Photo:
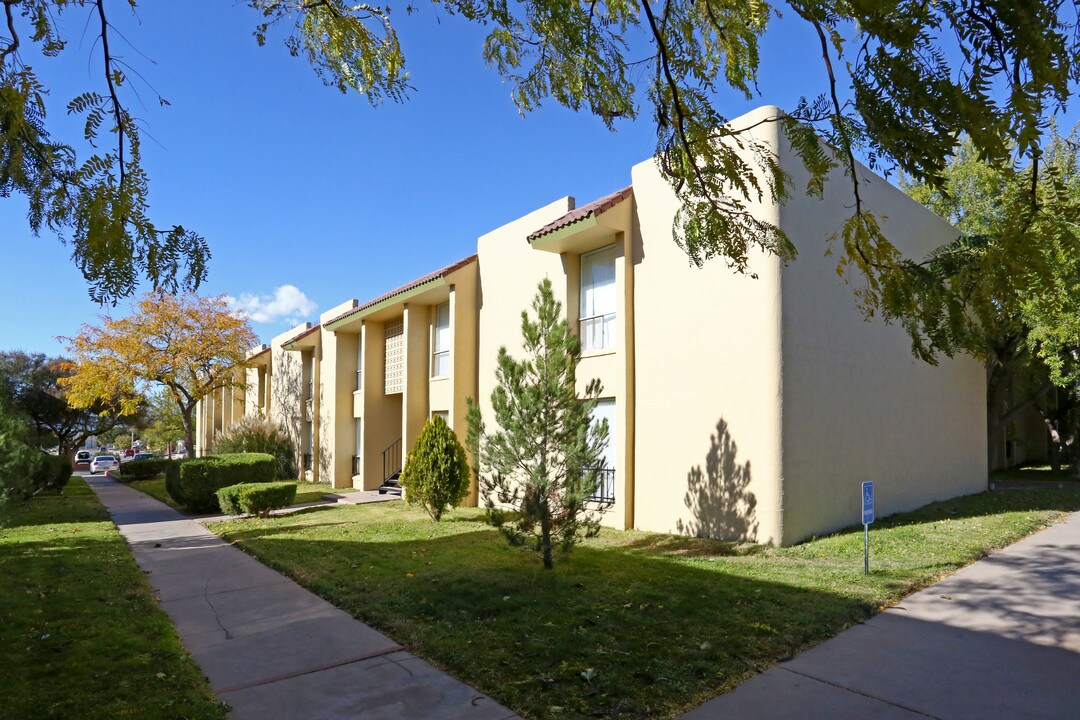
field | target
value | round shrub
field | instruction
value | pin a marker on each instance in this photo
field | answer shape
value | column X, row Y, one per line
column 194, row 483
column 252, row 434
column 436, row 472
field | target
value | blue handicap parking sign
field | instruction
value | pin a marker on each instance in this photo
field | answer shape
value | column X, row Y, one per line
column 867, row 502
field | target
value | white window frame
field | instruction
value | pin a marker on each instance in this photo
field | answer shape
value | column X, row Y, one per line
column 438, row 352
column 597, row 330
column 607, row 409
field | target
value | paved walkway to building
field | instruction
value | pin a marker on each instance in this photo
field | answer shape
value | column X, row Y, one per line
column 270, row 648
column 999, row 640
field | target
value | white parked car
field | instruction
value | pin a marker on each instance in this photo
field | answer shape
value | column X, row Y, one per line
column 103, row 463
column 83, row 456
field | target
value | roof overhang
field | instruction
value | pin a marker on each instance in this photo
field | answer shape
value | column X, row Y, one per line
column 258, row 357
column 307, row 340
column 383, row 309
column 589, row 227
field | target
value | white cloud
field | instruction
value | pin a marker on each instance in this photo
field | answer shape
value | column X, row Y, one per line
column 287, row 303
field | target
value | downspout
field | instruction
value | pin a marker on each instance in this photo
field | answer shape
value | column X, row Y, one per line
column 630, row 412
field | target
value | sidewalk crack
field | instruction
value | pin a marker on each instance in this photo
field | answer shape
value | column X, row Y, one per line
column 860, row 692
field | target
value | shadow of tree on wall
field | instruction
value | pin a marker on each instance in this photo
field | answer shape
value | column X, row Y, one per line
column 718, row 497
column 288, row 393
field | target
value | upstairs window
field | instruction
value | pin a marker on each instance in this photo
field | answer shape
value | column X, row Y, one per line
column 597, row 312
column 440, row 357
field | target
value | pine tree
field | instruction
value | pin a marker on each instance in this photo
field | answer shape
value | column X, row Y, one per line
column 539, row 469
column 436, row 472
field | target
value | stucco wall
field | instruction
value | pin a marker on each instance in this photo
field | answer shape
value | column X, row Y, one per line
column 418, row 319
column 382, row 413
column 287, row 388
column 708, row 392
column 337, row 375
column 857, row 405
column 510, row 270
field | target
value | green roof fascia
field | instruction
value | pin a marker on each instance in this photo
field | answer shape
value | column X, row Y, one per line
column 392, row 300
column 291, row 345
column 542, row 242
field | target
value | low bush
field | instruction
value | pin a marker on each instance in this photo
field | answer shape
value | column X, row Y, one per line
column 145, row 469
column 51, row 472
column 18, row 461
column 256, row 498
column 194, row 483
column 436, row 472
column 252, row 434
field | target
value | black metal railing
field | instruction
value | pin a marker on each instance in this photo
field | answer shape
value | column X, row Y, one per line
column 306, row 459
column 605, row 486
column 355, row 464
column 391, row 460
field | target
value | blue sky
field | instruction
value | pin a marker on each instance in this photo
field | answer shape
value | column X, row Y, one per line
column 294, row 184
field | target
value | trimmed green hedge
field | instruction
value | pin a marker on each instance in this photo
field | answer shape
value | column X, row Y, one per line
column 144, row 469
column 256, row 498
column 194, row 483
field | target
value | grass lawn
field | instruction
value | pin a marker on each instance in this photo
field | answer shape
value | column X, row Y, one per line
column 82, row 635
column 306, row 492
column 631, row 624
column 155, row 488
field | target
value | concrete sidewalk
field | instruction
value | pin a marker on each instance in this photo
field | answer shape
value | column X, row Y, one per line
column 999, row 640
column 270, row 648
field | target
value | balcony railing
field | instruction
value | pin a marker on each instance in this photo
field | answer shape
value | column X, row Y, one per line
column 306, row 459
column 355, row 465
column 605, row 486
column 597, row 332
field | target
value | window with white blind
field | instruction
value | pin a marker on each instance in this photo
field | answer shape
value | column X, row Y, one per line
column 597, row 311
column 605, row 488
column 440, row 357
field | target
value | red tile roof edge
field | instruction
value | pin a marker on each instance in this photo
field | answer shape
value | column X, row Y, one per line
column 441, row 272
column 258, row 354
column 594, row 208
column 301, row 336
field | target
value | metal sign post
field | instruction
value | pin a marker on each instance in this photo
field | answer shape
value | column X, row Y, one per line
column 867, row 518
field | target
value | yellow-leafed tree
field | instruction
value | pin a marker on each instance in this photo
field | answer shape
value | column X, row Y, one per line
column 189, row 345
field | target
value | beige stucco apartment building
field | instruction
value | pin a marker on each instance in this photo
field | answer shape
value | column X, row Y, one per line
column 739, row 407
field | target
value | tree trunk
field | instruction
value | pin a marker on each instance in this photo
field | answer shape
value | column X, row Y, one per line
column 189, row 430
column 545, row 535
column 995, row 400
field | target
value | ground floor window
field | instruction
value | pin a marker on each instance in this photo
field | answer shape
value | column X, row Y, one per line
column 605, row 490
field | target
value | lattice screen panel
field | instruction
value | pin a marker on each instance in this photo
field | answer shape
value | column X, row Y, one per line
column 395, row 357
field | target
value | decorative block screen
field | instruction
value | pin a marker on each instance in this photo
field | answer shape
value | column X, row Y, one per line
column 395, row 357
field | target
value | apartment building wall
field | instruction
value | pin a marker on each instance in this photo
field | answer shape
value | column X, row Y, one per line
column 708, row 391
column 857, row 405
column 287, row 388
column 337, row 373
column 748, row 405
